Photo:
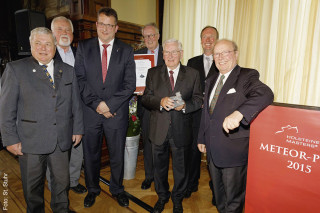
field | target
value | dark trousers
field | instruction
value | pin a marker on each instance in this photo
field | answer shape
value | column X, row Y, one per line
column 92, row 146
column 229, row 185
column 147, row 148
column 33, row 171
column 194, row 163
column 161, row 156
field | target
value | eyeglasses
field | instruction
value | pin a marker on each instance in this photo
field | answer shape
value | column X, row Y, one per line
column 223, row 54
column 173, row 53
column 108, row 26
column 151, row 36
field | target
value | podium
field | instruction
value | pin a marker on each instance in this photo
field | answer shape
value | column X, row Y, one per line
column 284, row 160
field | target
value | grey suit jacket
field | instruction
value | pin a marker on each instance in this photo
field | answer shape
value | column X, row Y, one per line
column 34, row 113
column 157, row 87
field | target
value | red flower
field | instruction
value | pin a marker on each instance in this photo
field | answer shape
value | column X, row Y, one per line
column 134, row 118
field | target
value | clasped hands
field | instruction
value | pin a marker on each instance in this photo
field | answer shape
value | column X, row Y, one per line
column 104, row 110
column 168, row 104
column 230, row 123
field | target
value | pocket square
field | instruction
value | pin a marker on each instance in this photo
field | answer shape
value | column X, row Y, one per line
column 232, row 90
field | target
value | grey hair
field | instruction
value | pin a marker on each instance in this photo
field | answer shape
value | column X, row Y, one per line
column 154, row 25
column 235, row 46
column 41, row 30
column 172, row 40
column 60, row 18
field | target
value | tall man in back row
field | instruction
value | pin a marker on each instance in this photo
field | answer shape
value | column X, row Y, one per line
column 105, row 69
column 206, row 67
column 150, row 33
column 233, row 98
column 40, row 116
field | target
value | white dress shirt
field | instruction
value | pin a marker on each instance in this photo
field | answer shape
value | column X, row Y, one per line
column 109, row 50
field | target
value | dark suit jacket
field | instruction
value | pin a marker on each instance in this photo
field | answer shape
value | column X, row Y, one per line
column 160, row 55
column 119, row 85
column 197, row 63
column 157, row 87
column 35, row 114
column 251, row 97
column 57, row 55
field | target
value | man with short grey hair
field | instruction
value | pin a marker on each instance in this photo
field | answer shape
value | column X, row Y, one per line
column 62, row 29
column 171, row 122
column 40, row 117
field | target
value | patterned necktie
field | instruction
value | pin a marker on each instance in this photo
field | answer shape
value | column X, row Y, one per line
column 216, row 94
column 171, row 80
column 44, row 67
column 152, row 51
column 104, row 62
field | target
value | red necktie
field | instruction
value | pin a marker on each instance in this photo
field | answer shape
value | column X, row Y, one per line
column 152, row 51
column 171, row 80
column 104, row 62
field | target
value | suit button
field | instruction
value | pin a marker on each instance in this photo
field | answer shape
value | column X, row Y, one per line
column 54, row 124
column 53, row 96
column 103, row 88
column 56, row 110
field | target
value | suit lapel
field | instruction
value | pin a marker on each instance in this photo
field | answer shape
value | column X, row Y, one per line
column 57, row 73
column 114, row 57
column 229, row 83
column 38, row 71
column 165, row 78
column 95, row 58
column 180, row 78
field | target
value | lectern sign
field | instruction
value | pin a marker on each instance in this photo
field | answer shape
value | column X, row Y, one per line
column 284, row 161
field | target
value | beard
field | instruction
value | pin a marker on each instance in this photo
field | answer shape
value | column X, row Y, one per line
column 63, row 42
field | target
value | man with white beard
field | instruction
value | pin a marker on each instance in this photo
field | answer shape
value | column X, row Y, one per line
column 62, row 29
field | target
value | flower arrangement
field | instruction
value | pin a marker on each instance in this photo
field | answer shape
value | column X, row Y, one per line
column 134, row 122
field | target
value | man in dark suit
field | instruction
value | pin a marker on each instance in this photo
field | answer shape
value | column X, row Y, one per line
column 62, row 29
column 40, row 116
column 206, row 67
column 170, row 124
column 233, row 98
column 105, row 69
column 151, row 37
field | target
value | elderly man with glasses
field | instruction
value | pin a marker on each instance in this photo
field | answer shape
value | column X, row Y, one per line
column 171, row 122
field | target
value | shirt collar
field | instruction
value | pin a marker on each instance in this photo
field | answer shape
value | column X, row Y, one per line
column 61, row 49
column 48, row 64
column 101, row 43
column 174, row 70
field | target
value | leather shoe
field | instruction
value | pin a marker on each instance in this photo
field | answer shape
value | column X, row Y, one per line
column 90, row 199
column 122, row 199
column 146, row 184
column 80, row 189
column 158, row 208
column 188, row 192
column 177, row 207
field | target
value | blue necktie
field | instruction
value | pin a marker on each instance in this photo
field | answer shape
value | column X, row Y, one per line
column 44, row 67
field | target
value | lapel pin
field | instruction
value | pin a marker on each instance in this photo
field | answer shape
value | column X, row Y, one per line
column 34, row 70
column 60, row 71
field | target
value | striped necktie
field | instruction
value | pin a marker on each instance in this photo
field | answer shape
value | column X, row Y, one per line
column 216, row 94
column 44, row 67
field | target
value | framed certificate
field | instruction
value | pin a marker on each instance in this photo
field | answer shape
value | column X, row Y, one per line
column 143, row 63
